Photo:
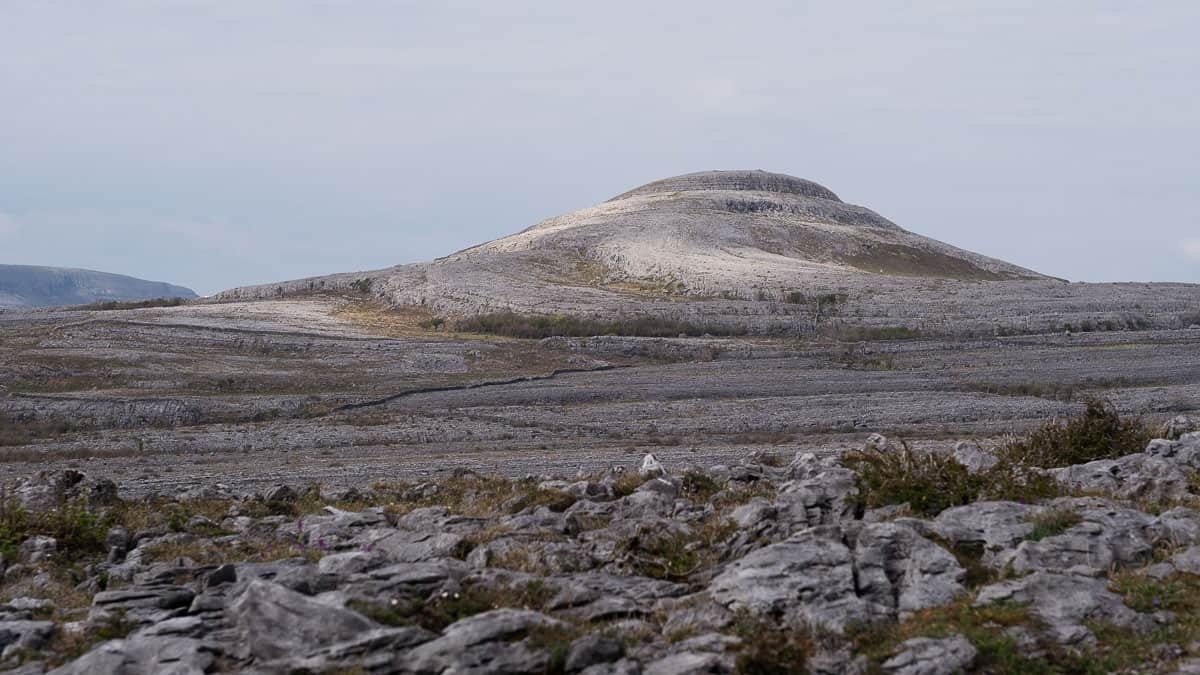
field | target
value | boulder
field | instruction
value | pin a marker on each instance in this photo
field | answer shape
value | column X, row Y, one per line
column 143, row 655
column 46, row 490
column 899, row 569
column 24, row 635
column 1065, row 603
column 274, row 622
column 806, row 580
column 927, row 656
column 483, row 643
column 1138, row 476
column 993, row 525
column 651, row 467
column 973, row 457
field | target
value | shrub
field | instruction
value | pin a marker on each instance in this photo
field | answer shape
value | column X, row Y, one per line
column 1100, row 433
column 932, row 482
column 109, row 305
column 928, row 482
column 78, row 532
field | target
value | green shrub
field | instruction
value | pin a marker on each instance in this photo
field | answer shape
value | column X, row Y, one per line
column 932, row 482
column 1100, row 433
column 109, row 305
column 78, row 532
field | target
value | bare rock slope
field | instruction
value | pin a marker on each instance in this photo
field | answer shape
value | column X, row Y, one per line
column 754, row 247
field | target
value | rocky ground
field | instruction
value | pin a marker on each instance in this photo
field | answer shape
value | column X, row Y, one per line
column 881, row 560
column 341, row 392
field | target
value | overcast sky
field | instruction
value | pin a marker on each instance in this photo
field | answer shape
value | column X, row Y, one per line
column 218, row 143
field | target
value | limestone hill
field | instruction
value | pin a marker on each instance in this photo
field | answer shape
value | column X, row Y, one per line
column 767, row 250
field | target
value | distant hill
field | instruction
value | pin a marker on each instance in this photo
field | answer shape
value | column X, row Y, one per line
column 23, row 286
column 765, row 252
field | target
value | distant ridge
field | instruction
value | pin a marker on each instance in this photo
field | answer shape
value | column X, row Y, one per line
column 27, row 286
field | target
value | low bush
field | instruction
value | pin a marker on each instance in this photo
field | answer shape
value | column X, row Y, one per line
column 109, row 305
column 1100, row 433
column 78, row 532
column 931, row 482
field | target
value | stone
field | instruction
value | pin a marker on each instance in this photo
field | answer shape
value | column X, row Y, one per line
column 879, row 443
column 36, row 549
column 407, row 546
column 806, row 580
column 47, row 490
column 592, row 649
column 143, row 655
column 689, row 663
column 973, row 457
column 351, row 562
column 481, row 643
column 1133, row 477
column 24, row 635
column 651, row 467
column 927, row 656
column 273, row 621
column 279, row 495
column 1178, row 426
column 993, row 525
column 898, row 568
column 1065, row 603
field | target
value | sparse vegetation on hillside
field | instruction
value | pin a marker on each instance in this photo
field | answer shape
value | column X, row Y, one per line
column 509, row 324
column 931, row 482
column 110, row 305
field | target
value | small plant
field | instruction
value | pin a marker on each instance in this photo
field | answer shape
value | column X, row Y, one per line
column 768, row 649
column 362, row 285
column 1052, row 522
column 699, row 487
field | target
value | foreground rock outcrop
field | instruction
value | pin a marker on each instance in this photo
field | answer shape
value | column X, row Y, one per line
column 766, row 566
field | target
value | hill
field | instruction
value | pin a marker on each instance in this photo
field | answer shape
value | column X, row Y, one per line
column 23, row 286
column 768, row 251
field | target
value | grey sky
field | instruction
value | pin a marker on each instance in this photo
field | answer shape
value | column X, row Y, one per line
column 218, row 143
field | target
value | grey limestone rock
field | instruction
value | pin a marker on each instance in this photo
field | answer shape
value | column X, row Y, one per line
column 26, row 635
column 994, row 525
column 690, row 663
column 897, row 568
column 807, row 580
column 48, row 489
column 651, row 467
column 144, row 655
column 973, row 457
column 274, row 622
column 1065, row 603
column 927, row 656
column 481, row 644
